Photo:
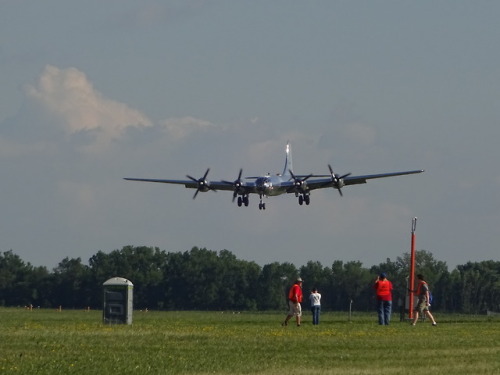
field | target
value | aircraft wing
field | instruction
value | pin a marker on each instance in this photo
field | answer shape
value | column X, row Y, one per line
column 248, row 187
column 320, row 183
column 214, row 185
column 187, row 183
column 352, row 180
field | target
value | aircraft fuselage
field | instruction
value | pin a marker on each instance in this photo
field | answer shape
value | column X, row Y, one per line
column 270, row 185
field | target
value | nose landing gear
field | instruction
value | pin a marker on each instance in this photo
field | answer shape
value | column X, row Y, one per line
column 262, row 205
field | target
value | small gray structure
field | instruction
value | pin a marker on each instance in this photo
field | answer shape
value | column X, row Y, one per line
column 118, row 301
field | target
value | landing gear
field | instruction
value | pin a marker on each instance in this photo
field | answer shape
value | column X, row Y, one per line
column 243, row 201
column 262, row 205
column 304, row 198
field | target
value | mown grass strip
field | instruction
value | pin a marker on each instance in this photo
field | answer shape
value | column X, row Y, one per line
column 76, row 342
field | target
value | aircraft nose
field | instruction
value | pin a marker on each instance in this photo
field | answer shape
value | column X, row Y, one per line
column 262, row 185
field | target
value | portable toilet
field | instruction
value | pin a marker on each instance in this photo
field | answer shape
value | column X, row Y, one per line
column 118, row 301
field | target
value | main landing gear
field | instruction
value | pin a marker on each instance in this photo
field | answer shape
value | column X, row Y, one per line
column 243, row 200
column 304, row 198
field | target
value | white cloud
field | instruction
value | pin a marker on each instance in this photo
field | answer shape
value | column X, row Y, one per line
column 69, row 97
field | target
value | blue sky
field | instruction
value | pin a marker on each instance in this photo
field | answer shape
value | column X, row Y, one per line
column 91, row 92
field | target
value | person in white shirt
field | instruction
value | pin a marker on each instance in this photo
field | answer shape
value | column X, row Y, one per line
column 315, row 299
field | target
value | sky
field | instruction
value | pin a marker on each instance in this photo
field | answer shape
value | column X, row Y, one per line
column 95, row 91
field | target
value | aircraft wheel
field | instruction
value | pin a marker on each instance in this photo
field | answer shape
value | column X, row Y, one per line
column 307, row 199
column 245, row 200
column 301, row 200
column 240, row 202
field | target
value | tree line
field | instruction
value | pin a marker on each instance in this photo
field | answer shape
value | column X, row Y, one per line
column 201, row 279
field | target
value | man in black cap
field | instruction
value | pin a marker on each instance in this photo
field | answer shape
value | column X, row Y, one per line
column 383, row 289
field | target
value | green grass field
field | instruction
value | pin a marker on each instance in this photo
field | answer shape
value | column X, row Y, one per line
column 76, row 342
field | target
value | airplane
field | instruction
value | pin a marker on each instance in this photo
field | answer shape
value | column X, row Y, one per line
column 269, row 185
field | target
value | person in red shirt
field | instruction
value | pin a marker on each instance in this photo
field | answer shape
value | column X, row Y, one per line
column 294, row 300
column 383, row 289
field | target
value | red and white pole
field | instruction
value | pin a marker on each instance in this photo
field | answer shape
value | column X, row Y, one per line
column 412, row 269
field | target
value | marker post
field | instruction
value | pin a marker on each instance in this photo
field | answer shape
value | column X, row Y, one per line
column 412, row 269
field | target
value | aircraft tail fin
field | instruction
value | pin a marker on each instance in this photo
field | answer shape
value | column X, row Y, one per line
column 288, row 161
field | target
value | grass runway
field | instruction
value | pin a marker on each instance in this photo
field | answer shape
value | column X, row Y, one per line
column 77, row 342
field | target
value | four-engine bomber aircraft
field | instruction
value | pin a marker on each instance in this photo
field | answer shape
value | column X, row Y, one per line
column 271, row 185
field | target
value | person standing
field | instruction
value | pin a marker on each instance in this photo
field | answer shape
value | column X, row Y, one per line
column 315, row 299
column 383, row 290
column 423, row 303
column 294, row 300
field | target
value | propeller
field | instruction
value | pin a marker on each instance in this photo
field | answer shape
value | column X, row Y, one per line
column 202, row 183
column 236, row 183
column 337, row 181
column 299, row 183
